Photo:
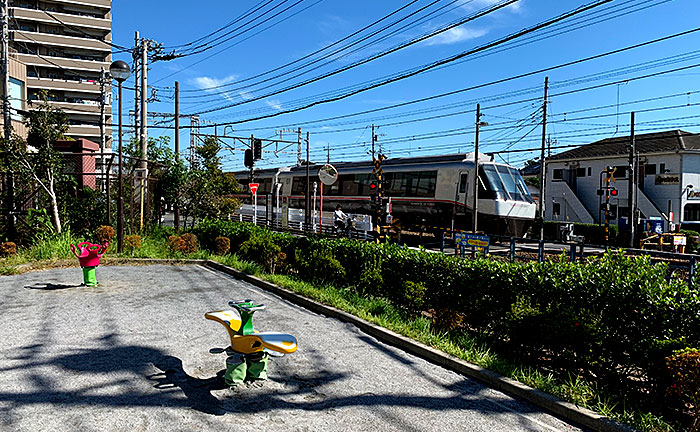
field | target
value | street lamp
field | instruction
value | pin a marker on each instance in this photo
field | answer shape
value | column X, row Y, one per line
column 120, row 71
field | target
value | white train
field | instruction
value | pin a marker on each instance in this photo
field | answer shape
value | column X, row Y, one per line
column 433, row 191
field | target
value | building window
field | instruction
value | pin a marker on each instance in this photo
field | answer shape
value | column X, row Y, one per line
column 580, row 172
column 557, row 174
column 650, row 169
column 691, row 212
column 556, row 209
column 16, row 98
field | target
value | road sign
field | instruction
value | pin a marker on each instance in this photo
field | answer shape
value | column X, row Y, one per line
column 328, row 174
column 474, row 240
column 253, row 188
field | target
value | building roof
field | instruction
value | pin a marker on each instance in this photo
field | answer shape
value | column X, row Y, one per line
column 657, row 142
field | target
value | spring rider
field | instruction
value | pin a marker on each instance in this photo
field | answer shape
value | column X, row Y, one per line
column 249, row 350
column 89, row 258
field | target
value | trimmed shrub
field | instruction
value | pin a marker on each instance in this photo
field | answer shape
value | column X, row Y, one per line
column 222, row 245
column 132, row 242
column 104, row 234
column 190, row 243
column 176, row 244
column 319, row 266
column 8, row 249
column 693, row 241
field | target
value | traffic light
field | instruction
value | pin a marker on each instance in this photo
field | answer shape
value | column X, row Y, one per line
column 248, row 159
column 257, row 149
column 613, row 192
column 373, row 192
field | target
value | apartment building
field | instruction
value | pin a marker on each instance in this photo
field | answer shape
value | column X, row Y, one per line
column 668, row 185
column 64, row 46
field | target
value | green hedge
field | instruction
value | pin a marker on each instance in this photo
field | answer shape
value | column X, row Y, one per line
column 613, row 319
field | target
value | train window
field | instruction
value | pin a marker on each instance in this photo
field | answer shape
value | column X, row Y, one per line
column 513, row 183
column 299, row 185
column 492, row 182
column 415, row 183
column 580, row 172
column 557, row 174
column 463, row 183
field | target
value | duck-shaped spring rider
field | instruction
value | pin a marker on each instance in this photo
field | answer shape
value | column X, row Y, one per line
column 89, row 255
column 249, row 350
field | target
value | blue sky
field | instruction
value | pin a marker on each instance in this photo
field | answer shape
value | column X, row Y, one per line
column 411, row 130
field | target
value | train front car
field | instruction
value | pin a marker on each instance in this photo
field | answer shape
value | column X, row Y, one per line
column 505, row 204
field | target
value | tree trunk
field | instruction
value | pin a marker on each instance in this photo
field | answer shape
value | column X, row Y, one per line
column 54, row 205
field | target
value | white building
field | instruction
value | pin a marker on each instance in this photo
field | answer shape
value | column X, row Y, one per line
column 668, row 179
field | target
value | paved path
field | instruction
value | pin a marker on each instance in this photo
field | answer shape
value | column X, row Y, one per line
column 133, row 355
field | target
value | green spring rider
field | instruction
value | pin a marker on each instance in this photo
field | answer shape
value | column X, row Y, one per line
column 250, row 350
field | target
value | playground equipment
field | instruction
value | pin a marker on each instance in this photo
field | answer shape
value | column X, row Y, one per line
column 249, row 350
column 89, row 259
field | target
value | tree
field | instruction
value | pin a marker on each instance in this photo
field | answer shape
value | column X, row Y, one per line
column 36, row 158
column 209, row 192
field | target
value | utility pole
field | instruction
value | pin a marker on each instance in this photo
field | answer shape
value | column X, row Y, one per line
column 6, row 117
column 299, row 147
column 374, row 140
column 307, row 212
column 543, row 161
column 475, row 208
column 177, row 151
column 137, row 85
column 144, row 109
column 632, row 185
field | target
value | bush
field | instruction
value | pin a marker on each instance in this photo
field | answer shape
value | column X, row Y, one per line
column 320, row 266
column 264, row 251
column 684, row 369
column 222, row 245
column 190, row 243
column 104, row 234
column 176, row 244
column 8, row 249
column 132, row 242
column 693, row 237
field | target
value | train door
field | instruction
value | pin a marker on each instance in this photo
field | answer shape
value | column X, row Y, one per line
column 463, row 196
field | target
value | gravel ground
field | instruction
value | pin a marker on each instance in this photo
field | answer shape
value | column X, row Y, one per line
column 133, row 354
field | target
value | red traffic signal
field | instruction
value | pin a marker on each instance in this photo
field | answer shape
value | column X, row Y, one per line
column 613, row 192
column 372, row 186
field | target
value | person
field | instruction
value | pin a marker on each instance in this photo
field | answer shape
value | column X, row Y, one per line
column 339, row 218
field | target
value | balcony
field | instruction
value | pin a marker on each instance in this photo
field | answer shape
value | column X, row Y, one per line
column 76, row 108
column 71, row 20
column 64, row 85
column 101, row 4
column 48, row 39
column 88, row 131
column 53, row 62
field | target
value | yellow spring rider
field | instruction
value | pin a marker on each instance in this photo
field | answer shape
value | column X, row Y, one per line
column 249, row 349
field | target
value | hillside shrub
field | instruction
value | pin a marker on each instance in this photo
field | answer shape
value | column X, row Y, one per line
column 222, row 245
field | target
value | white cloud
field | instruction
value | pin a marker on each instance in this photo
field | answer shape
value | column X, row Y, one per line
column 245, row 95
column 274, row 104
column 478, row 4
column 209, row 85
column 455, row 35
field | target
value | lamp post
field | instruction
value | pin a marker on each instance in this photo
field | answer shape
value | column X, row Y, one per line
column 120, row 71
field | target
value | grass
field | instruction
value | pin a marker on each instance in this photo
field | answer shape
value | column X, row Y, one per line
column 376, row 310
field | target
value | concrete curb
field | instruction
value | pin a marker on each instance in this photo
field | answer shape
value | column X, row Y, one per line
column 580, row 415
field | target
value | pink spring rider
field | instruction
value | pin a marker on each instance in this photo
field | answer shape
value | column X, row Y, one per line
column 89, row 258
